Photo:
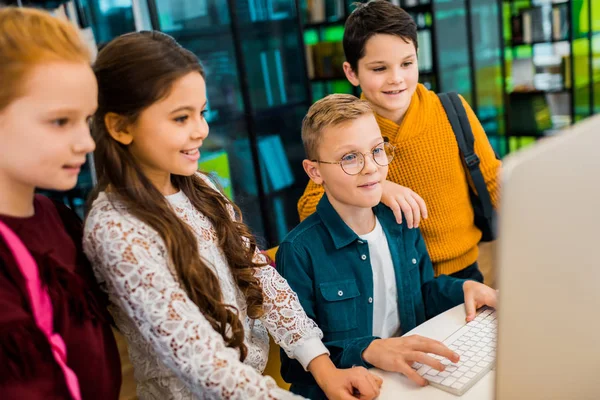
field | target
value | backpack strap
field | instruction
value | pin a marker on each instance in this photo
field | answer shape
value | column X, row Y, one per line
column 41, row 305
column 461, row 126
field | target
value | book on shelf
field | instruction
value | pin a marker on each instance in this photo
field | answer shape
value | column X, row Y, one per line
column 315, row 11
column 319, row 11
column 275, row 167
column 526, row 21
column 328, row 59
column 560, row 23
column 516, row 24
column 425, row 52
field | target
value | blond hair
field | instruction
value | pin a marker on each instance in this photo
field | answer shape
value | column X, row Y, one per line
column 332, row 110
column 28, row 38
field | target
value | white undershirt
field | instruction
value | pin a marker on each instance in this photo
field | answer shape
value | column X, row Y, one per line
column 386, row 320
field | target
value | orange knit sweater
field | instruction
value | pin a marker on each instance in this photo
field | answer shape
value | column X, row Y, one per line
column 428, row 161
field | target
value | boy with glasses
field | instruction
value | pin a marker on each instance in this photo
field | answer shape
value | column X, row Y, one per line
column 380, row 44
column 363, row 278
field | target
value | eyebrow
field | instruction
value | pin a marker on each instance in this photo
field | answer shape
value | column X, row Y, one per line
column 351, row 148
column 186, row 108
column 383, row 62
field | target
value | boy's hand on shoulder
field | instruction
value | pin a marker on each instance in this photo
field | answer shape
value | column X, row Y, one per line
column 398, row 354
column 403, row 200
column 478, row 295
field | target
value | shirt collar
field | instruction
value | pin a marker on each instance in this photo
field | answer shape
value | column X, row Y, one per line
column 340, row 232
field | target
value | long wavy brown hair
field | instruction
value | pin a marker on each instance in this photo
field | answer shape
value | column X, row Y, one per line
column 134, row 71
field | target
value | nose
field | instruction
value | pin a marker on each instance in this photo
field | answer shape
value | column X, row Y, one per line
column 395, row 76
column 370, row 165
column 200, row 131
column 83, row 141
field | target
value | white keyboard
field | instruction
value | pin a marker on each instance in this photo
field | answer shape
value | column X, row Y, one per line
column 476, row 344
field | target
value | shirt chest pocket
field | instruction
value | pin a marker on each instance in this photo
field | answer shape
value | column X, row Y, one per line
column 338, row 305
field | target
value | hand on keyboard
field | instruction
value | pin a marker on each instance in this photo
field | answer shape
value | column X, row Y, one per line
column 478, row 295
column 475, row 342
column 399, row 353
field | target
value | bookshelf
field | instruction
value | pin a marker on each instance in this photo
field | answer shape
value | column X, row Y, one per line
column 258, row 94
column 549, row 54
column 323, row 30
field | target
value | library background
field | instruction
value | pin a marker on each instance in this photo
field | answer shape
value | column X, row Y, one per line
column 527, row 67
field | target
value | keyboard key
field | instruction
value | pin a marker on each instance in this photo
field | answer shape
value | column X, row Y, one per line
column 423, row 370
column 469, row 353
column 464, row 379
column 476, row 359
column 482, row 364
column 457, row 374
column 469, row 364
column 436, row 379
column 463, row 369
column 457, row 385
column 448, row 381
column 431, row 372
column 482, row 354
column 476, row 369
column 444, row 374
column 445, row 361
column 417, row 365
column 488, row 359
column 451, row 368
column 470, row 374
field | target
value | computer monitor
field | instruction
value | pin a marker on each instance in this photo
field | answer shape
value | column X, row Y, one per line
column 549, row 269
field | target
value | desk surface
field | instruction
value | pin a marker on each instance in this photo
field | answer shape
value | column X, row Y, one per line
column 397, row 386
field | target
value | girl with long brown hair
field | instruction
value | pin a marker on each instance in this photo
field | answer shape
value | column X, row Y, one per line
column 55, row 337
column 188, row 287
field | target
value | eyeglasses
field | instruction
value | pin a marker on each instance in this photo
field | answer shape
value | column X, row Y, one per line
column 353, row 163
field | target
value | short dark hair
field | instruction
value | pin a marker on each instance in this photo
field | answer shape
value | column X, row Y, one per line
column 371, row 18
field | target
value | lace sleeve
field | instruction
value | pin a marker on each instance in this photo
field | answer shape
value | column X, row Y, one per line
column 285, row 319
column 131, row 260
column 297, row 334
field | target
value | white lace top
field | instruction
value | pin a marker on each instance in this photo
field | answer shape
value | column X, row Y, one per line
column 175, row 352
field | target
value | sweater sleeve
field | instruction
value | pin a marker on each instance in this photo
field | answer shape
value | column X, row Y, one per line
column 490, row 166
column 309, row 200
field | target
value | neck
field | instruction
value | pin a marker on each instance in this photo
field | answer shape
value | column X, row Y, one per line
column 360, row 219
column 16, row 198
column 396, row 116
column 162, row 181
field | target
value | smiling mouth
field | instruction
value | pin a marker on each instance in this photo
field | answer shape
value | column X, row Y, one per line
column 370, row 184
column 190, row 152
column 394, row 91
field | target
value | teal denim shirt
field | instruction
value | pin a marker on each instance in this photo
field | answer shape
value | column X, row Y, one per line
column 329, row 267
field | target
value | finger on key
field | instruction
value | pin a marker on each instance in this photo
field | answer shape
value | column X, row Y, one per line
column 425, row 359
column 413, row 376
column 427, row 345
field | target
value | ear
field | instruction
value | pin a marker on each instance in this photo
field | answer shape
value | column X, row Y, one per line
column 117, row 128
column 350, row 74
column 312, row 170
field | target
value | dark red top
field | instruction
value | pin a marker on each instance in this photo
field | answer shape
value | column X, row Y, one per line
column 27, row 368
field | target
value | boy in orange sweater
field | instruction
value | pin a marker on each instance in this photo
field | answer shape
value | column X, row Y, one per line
column 380, row 44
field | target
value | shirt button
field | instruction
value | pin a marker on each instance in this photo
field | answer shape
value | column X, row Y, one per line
column 414, row 260
column 370, row 299
column 340, row 293
column 363, row 257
